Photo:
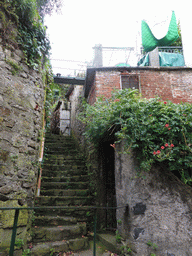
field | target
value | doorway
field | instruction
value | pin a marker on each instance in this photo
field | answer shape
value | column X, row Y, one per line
column 108, row 175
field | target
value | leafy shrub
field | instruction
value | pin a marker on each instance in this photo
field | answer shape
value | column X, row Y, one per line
column 31, row 33
column 158, row 131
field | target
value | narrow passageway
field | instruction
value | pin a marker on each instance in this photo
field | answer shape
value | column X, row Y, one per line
column 64, row 183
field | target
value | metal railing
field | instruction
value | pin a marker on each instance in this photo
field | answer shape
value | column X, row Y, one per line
column 171, row 49
column 16, row 217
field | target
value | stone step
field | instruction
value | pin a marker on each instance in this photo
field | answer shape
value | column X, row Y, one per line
column 71, row 164
column 76, row 155
column 64, row 151
column 63, row 161
column 45, row 249
column 59, row 233
column 64, row 178
column 54, row 221
column 80, row 213
column 60, row 145
column 68, row 192
column 62, row 200
column 67, row 172
column 64, row 185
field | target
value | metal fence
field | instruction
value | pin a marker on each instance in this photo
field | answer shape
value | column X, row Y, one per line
column 92, row 208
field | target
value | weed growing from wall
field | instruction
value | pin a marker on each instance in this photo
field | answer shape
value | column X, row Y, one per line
column 160, row 132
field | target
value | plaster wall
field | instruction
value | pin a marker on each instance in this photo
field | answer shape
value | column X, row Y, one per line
column 159, row 209
column 76, row 104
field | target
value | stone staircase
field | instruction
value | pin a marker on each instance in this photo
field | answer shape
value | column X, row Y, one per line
column 64, row 183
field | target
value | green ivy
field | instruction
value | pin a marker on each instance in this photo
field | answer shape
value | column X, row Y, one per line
column 22, row 16
column 158, row 131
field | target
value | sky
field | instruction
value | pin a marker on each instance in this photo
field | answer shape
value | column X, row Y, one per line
column 82, row 24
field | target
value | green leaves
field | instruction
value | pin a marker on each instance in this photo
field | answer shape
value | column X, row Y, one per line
column 159, row 131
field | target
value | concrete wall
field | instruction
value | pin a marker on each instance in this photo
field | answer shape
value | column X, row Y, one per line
column 159, row 209
column 174, row 84
column 75, row 99
column 21, row 113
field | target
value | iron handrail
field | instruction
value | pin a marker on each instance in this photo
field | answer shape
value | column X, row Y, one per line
column 16, row 217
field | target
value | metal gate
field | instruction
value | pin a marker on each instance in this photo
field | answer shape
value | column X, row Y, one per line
column 65, row 119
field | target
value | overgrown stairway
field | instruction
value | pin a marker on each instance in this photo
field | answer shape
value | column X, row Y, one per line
column 64, row 183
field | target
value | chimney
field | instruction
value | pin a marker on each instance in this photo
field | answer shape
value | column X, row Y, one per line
column 98, row 56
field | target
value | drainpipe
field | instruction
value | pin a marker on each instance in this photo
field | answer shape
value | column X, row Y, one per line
column 41, row 158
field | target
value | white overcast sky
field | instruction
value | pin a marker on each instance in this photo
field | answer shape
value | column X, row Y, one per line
column 84, row 23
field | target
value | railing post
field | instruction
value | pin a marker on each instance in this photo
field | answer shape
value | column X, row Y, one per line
column 11, row 252
column 95, row 233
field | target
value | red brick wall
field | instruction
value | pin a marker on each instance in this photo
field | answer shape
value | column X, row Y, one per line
column 104, row 83
column 169, row 84
column 175, row 85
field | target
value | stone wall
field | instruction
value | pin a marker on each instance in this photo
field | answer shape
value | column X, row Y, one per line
column 158, row 216
column 21, row 118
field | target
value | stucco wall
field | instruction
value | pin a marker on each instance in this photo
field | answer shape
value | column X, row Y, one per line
column 159, row 209
column 21, row 116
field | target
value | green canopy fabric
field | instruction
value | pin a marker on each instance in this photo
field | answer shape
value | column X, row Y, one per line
column 150, row 42
column 166, row 59
column 122, row 65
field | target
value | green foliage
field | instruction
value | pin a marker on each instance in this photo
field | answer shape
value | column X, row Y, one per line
column 153, row 245
column 32, row 33
column 119, row 222
column 15, row 67
column 178, row 42
column 160, row 132
column 54, row 93
column 52, row 251
column 118, row 236
column 19, row 243
column 22, row 16
column 8, row 18
column 26, row 252
column 126, row 250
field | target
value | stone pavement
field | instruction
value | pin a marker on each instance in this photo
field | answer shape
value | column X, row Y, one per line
column 101, row 250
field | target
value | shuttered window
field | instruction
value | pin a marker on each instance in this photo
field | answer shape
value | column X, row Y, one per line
column 130, row 81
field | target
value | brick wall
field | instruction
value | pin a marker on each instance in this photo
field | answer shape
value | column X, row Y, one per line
column 173, row 84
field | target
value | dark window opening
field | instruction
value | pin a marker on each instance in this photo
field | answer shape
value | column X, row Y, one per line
column 130, row 81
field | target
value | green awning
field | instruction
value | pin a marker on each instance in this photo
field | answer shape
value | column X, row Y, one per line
column 150, row 42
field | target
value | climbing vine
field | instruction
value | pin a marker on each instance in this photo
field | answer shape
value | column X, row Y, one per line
column 22, row 27
column 159, row 131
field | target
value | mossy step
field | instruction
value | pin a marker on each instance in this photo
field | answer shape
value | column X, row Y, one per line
column 62, row 200
column 59, row 172
column 60, row 233
column 64, row 151
column 54, row 221
column 45, row 249
column 60, row 144
column 64, row 178
column 64, row 185
column 77, row 156
column 61, row 192
column 63, row 161
column 77, row 212
column 69, row 163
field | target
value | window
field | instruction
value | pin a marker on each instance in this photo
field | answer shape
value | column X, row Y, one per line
column 130, row 81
